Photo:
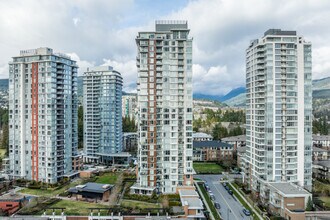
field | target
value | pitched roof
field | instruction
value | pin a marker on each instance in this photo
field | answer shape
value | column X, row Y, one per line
column 91, row 187
column 201, row 144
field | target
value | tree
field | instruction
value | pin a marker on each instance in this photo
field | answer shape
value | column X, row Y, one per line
column 129, row 125
column 309, row 206
column 219, row 132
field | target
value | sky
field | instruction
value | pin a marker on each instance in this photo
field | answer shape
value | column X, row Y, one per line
column 102, row 32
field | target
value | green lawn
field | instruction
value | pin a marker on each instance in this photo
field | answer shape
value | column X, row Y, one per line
column 107, row 178
column 205, row 168
column 77, row 207
column 326, row 200
column 2, row 152
column 321, row 188
column 209, row 202
column 138, row 204
column 49, row 192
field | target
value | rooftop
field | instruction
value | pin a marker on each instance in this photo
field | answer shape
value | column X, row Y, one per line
column 186, row 192
column 125, row 134
column 13, row 197
column 91, row 187
column 168, row 25
column 201, row 144
column 235, row 138
column 99, row 68
column 201, row 135
column 323, row 163
column 192, row 203
column 279, row 32
column 287, row 189
column 321, row 137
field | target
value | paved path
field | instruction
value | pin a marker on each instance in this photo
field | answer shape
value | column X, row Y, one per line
column 231, row 208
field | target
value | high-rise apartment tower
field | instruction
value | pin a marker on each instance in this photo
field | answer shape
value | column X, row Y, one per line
column 279, row 110
column 43, row 138
column 102, row 114
column 164, row 62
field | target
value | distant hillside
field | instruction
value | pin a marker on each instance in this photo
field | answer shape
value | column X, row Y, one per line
column 221, row 98
column 238, row 101
column 321, row 84
column 4, row 84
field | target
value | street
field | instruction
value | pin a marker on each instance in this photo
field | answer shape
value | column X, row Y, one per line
column 229, row 205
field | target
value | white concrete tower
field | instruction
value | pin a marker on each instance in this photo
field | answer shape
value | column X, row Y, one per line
column 279, row 110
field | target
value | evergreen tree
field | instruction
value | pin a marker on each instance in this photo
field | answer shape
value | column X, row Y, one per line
column 309, row 206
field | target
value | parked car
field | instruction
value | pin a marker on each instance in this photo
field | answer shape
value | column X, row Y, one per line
column 212, row 197
column 246, row 212
column 217, row 205
column 227, row 187
column 209, row 191
column 224, row 184
column 230, row 192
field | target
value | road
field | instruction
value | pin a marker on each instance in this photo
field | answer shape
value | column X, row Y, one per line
column 229, row 205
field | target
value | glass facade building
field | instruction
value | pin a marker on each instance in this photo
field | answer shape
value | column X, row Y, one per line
column 279, row 110
column 102, row 114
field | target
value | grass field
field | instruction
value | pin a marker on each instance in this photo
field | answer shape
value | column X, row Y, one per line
column 139, row 204
column 77, row 207
column 326, row 200
column 320, row 187
column 107, row 178
column 49, row 192
column 2, row 152
column 207, row 168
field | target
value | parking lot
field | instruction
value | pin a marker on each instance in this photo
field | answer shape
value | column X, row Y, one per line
column 230, row 207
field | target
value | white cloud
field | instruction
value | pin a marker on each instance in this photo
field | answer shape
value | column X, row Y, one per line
column 216, row 80
column 127, row 70
column 76, row 21
column 106, row 29
column 83, row 64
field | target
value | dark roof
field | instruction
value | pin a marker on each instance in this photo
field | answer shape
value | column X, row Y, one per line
column 91, row 187
column 202, row 144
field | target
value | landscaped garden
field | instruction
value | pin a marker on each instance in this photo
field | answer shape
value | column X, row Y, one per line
column 107, row 178
column 207, row 168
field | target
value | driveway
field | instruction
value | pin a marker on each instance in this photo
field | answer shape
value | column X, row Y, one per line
column 229, row 205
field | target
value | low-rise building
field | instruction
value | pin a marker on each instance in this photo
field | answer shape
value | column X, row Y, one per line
column 192, row 204
column 130, row 142
column 320, row 154
column 10, row 203
column 284, row 196
column 200, row 136
column 321, row 140
column 212, row 151
column 93, row 191
column 237, row 141
column 321, row 169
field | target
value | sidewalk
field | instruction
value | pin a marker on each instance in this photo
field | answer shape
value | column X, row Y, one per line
column 251, row 207
column 206, row 204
